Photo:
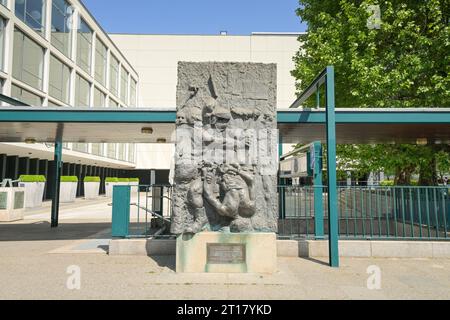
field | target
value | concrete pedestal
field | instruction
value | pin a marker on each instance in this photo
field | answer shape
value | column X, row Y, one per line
column 216, row 252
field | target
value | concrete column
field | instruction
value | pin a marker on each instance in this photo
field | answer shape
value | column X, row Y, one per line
column 43, row 170
column 34, row 166
column 24, row 165
column 12, row 167
column 2, row 166
column 56, row 183
column 83, row 174
column 65, row 169
column 78, row 173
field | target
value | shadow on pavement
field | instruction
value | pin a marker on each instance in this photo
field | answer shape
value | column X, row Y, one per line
column 41, row 231
column 165, row 261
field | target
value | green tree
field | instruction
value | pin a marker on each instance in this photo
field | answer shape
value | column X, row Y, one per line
column 403, row 63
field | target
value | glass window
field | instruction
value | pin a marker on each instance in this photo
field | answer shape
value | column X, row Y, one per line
column 99, row 98
column 97, row 149
column 59, row 80
column 82, row 92
column 32, row 12
column 84, row 46
column 25, row 96
column 100, row 62
column 122, row 151
column 4, row 2
column 113, row 103
column 80, row 147
column 124, row 85
column 53, row 104
column 61, row 31
column 133, row 86
column 112, row 147
column 131, row 152
column 2, row 43
column 28, row 60
column 114, row 76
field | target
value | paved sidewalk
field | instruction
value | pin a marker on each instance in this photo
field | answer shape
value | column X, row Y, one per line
column 34, row 260
column 35, row 270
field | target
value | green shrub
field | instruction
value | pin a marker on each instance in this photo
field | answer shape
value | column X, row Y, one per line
column 389, row 183
column 92, row 179
column 69, row 179
column 111, row 179
column 32, row 178
column 123, row 180
column 133, row 180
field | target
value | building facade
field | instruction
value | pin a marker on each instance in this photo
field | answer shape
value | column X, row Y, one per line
column 53, row 53
column 156, row 57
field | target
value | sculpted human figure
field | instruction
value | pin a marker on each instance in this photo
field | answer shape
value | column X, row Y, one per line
column 194, row 200
column 239, row 195
column 222, row 180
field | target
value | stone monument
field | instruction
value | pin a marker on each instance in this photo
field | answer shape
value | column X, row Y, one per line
column 225, row 197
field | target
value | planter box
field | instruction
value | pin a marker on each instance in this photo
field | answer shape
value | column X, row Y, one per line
column 12, row 204
column 134, row 187
column 34, row 193
column 109, row 188
column 91, row 190
column 68, row 192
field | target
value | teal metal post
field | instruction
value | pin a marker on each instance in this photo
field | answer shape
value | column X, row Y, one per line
column 333, row 220
column 281, row 183
column 121, row 211
column 318, row 191
column 56, row 183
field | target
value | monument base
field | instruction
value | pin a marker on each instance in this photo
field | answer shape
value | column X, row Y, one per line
column 216, row 252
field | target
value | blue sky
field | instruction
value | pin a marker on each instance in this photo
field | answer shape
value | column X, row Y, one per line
column 238, row 17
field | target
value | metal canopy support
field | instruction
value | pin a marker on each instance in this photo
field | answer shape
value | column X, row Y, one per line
column 56, row 183
column 326, row 77
column 281, row 183
column 333, row 220
column 318, row 191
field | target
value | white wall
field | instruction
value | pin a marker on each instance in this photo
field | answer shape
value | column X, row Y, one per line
column 155, row 58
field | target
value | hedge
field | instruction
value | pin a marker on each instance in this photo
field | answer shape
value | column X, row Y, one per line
column 390, row 183
column 92, row 179
column 123, row 180
column 133, row 180
column 69, row 179
column 32, row 178
column 111, row 179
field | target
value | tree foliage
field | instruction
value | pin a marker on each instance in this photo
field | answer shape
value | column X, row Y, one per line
column 403, row 64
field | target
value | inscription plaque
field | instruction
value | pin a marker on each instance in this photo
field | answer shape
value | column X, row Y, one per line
column 225, row 253
column 19, row 200
column 3, row 200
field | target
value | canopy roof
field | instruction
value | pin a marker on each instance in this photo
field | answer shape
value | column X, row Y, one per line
column 19, row 124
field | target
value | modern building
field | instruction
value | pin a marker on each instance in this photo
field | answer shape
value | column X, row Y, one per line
column 53, row 53
column 156, row 57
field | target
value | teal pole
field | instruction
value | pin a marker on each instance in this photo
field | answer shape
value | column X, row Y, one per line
column 333, row 220
column 121, row 212
column 318, row 191
column 56, row 183
column 281, row 183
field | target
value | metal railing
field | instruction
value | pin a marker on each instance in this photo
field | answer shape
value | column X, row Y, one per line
column 394, row 212
column 297, row 214
column 370, row 212
column 144, row 211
